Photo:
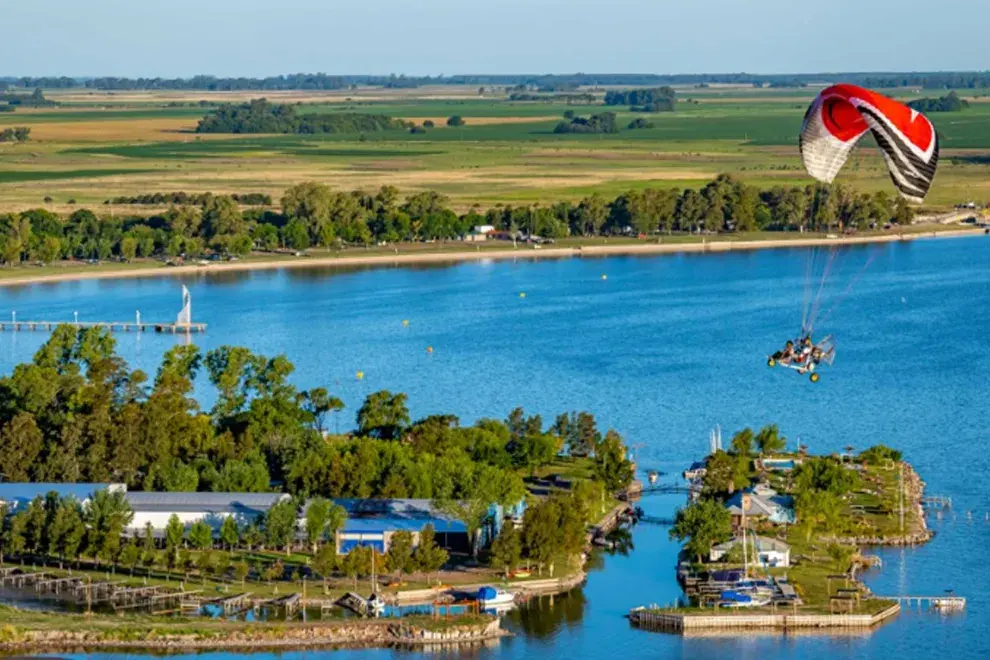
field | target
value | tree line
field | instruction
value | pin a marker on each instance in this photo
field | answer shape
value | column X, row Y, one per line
column 322, row 81
column 35, row 99
column 260, row 116
column 948, row 103
column 312, row 214
column 76, row 412
column 195, row 199
column 655, row 99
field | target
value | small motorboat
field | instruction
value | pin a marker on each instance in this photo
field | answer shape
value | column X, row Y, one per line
column 653, row 475
column 492, row 597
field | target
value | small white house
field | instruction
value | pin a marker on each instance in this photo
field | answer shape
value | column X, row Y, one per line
column 763, row 550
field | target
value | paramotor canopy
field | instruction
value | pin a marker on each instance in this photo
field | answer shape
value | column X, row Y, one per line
column 842, row 114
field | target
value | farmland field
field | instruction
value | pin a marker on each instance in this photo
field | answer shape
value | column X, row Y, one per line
column 97, row 145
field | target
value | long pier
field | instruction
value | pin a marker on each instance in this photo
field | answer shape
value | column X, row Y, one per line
column 183, row 322
column 122, row 326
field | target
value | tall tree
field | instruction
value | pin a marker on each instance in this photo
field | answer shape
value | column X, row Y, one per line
column 107, row 514
column 703, row 524
column 383, row 415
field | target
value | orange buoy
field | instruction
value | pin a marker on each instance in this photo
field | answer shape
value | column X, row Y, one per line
column 429, row 349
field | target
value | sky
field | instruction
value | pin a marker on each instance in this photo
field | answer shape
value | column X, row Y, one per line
column 172, row 38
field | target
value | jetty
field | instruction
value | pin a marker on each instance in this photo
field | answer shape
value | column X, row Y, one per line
column 183, row 322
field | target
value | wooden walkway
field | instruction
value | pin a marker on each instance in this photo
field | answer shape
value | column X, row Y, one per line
column 121, row 326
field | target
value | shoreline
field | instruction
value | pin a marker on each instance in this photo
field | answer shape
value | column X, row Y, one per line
column 360, row 633
column 464, row 255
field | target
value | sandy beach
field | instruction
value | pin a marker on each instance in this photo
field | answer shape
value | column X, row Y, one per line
column 464, row 255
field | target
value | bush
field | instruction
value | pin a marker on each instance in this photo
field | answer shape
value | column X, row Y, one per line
column 879, row 455
column 428, row 123
column 455, row 120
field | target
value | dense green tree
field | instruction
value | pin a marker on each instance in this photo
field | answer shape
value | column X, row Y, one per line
column 702, row 524
column 201, row 535
column 506, row 550
column 612, row 467
column 383, row 415
column 769, row 441
column 280, row 525
column 399, row 557
column 175, row 533
column 107, row 514
column 230, row 534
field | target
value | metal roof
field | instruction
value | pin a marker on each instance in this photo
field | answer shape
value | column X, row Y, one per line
column 148, row 501
column 374, row 515
column 22, row 493
column 763, row 543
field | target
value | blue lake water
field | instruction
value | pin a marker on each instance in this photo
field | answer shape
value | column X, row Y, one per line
column 663, row 350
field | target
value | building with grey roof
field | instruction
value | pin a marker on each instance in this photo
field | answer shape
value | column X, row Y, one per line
column 213, row 508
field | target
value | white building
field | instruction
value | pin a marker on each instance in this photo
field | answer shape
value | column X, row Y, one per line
column 213, row 508
column 763, row 550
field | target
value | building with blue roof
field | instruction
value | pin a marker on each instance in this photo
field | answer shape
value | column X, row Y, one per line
column 372, row 522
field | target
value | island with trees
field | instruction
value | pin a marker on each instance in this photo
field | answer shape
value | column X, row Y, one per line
column 769, row 531
column 77, row 413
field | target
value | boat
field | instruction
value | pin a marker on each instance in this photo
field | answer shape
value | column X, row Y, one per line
column 492, row 597
column 375, row 605
column 653, row 476
column 736, row 598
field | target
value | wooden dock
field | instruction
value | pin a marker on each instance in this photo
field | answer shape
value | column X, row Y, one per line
column 112, row 326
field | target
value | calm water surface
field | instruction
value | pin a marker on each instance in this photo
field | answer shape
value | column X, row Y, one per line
column 662, row 350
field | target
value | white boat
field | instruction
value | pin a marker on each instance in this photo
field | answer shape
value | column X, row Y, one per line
column 493, row 597
column 376, row 605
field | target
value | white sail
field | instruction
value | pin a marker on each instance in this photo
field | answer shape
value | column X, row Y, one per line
column 185, row 315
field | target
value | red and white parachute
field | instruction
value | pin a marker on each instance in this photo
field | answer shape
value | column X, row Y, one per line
column 842, row 114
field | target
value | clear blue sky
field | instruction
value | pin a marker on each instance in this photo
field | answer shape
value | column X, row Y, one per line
column 264, row 37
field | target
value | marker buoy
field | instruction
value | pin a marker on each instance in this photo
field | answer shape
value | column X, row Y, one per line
column 359, row 375
column 429, row 349
column 522, row 294
column 604, row 276
column 405, row 322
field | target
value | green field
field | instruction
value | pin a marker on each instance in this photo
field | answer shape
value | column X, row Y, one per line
column 95, row 146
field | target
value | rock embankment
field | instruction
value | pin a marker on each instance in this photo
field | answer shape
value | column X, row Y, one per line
column 379, row 633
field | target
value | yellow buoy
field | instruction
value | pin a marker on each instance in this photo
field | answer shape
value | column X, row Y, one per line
column 429, row 349
column 522, row 294
column 604, row 276
column 359, row 375
column 405, row 322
